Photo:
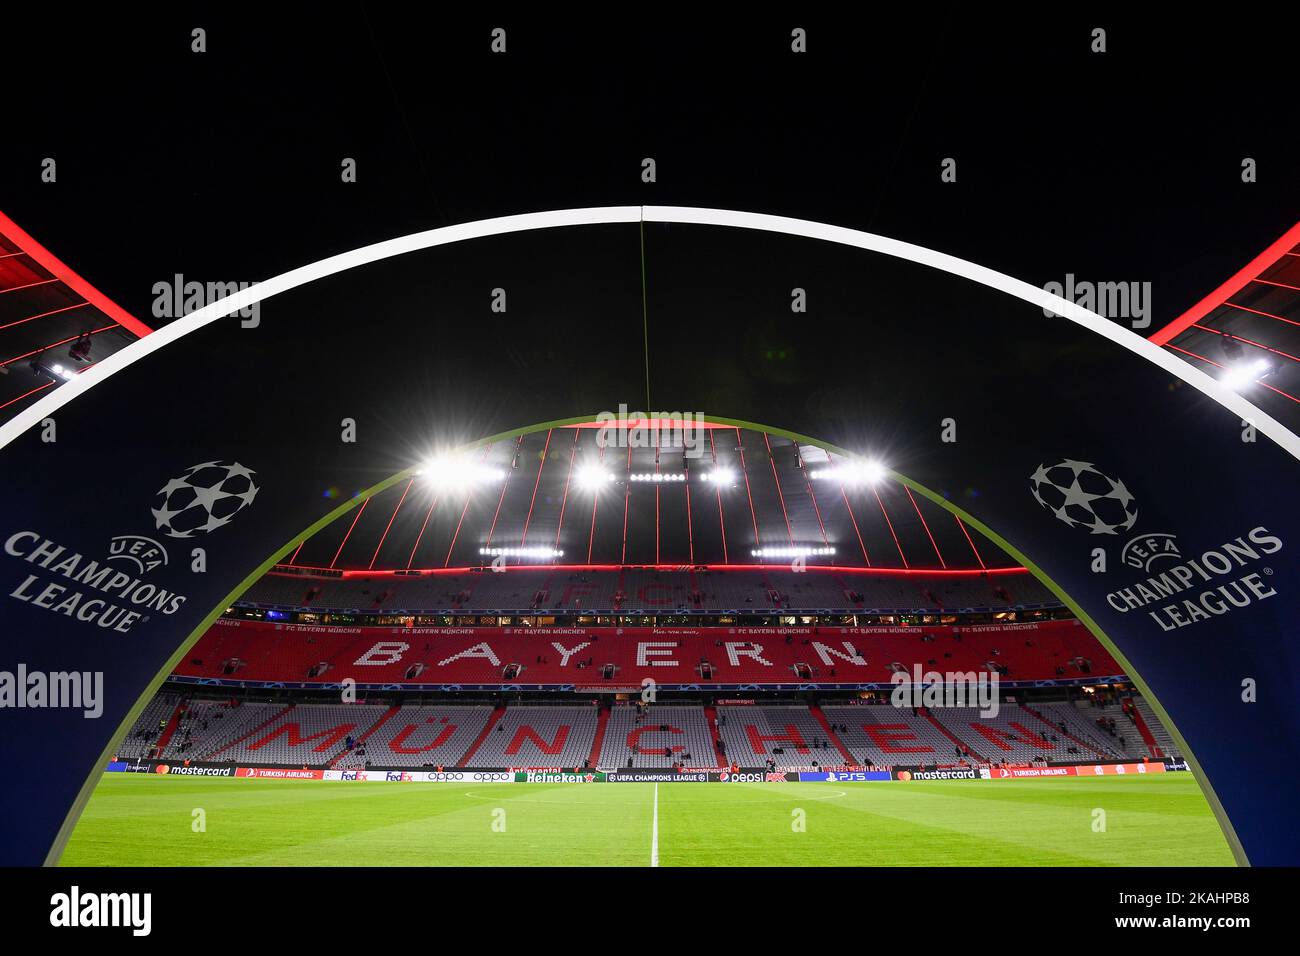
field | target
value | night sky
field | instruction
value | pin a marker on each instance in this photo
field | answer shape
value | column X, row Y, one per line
column 1120, row 166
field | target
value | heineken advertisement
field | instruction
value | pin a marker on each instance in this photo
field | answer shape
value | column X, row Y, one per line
column 557, row 776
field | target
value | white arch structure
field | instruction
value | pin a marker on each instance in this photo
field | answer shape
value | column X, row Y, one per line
column 686, row 215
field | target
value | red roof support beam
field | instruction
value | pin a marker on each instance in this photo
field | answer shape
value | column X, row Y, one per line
column 43, row 257
column 1219, row 296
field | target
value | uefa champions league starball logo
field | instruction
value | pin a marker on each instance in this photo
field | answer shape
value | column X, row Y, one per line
column 204, row 498
column 1083, row 497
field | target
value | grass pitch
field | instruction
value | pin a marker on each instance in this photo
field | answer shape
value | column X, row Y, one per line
column 150, row 821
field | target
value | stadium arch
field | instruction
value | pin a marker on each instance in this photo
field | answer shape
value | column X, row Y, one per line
column 1148, row 352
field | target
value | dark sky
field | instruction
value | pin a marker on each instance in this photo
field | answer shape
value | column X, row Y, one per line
column 1121, row 166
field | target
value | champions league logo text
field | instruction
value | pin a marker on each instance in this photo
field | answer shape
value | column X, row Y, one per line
column 144, row 554
column 1145, row 550
column 1191, row 574
column 206, row 497
column 122, row 592
column 1080, row 495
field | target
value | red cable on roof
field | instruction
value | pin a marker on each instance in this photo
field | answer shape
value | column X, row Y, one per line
column 627, row 492
column 33, row 318
column 789, row 532
column 391, row 519
column 519, row 444
column 565, row 500
column 1241, row 338
column 355, row 518
column 690, row 525
column 969, row 540
column 25, row 394
column 595, row 499
column 722, row 522
column 745, row 471
column 856, row 530
column 807, row 483
column 942, row 562
column 470, row 494
column 1267, row 315
column 54, row 345
column 432, row 504
column 1217, row 365
column 536, row 483
column 29, row 285
column 880, row 502
column 656, row 506
column 1280, row 285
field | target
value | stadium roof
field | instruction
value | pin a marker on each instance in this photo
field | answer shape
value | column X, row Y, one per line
column 1247, row 331
column 558, row 497
column 45, row 308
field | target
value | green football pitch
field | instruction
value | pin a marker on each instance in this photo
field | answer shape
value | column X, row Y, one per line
column 1109, row 821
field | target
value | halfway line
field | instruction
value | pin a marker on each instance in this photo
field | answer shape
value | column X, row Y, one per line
column 654, row 832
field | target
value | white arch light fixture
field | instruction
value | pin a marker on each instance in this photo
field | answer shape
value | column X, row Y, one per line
column 684, row 215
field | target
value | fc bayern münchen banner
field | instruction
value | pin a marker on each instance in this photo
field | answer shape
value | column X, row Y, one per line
column 1167, row 520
